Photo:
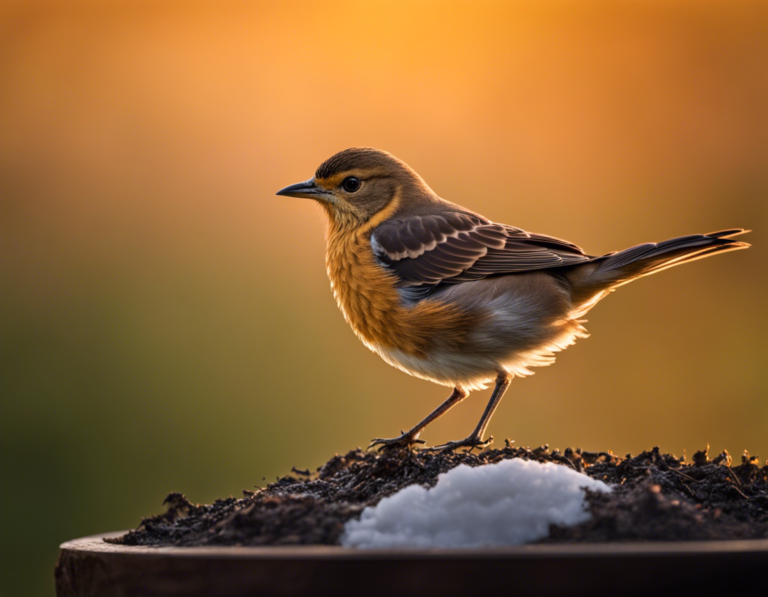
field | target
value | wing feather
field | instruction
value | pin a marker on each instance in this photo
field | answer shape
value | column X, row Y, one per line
column 452, row 247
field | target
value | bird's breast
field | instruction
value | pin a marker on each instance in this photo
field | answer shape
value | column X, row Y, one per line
column 368, row 297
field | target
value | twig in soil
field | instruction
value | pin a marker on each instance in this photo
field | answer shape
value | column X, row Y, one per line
column 689, row 490
column 746, row 497
column 682, row 474
column 735, row 478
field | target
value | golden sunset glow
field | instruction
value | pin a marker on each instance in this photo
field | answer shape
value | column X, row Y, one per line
column 167, row 320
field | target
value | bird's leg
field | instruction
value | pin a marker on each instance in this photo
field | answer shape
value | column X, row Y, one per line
column 412, row 436
column 475, row 440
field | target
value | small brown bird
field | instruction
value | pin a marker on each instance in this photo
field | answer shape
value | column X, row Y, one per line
column 447, row 295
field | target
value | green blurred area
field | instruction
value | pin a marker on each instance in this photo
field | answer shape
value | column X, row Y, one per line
column 165, row 320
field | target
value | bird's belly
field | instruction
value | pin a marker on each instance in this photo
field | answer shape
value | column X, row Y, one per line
column 479, row 364
column 525, row 320
column 448, row 368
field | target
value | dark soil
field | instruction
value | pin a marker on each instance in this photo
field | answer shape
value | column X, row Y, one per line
column 656, row 497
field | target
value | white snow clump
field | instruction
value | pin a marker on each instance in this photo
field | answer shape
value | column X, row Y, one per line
column 508, row 503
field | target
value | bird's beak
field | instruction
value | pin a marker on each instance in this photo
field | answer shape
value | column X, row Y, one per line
column 307, row 189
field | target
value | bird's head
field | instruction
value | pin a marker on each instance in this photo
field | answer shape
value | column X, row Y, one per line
column 358, row 183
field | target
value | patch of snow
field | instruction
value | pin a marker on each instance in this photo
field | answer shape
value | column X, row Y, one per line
column 507, row 503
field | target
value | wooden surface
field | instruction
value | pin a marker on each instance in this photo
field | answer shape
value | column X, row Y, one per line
column 90, row 567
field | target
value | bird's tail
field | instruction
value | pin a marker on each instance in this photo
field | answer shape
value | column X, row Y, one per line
column 616, row 269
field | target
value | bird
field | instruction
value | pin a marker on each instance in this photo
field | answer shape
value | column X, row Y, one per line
column 448, row 295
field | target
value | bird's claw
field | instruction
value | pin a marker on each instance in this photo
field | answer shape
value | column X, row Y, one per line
column 468, row 442
column 403, row 441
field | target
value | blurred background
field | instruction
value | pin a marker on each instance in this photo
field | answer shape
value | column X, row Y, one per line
column 166, row 323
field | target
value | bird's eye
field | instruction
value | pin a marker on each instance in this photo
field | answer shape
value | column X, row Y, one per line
column 350, row 184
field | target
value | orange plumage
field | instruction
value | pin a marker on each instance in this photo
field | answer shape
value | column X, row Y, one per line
column 367, row 296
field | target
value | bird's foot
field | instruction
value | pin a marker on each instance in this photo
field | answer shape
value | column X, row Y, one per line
column 470, row 442
column 405, row 440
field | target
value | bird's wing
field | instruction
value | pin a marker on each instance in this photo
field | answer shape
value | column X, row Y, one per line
column 457, row 247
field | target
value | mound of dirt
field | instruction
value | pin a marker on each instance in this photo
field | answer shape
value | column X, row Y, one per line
column 656, row 497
